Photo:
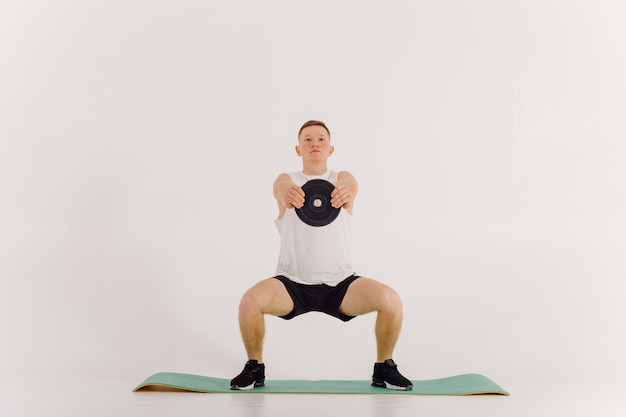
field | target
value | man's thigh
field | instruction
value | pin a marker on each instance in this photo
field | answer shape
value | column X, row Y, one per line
column 366, row 295
column 271, row 297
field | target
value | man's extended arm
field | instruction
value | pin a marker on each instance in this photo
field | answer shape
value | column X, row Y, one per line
column 345, row 191
column 287, row 194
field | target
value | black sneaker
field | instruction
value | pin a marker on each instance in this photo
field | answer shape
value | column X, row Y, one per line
column 252, row 376
column 386, row 375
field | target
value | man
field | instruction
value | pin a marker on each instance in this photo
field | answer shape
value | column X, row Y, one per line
column 314, row 271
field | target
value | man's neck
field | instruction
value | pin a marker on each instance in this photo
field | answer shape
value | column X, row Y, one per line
column 315, row 169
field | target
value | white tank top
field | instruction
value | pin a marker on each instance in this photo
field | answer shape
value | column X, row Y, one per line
column 314, row 255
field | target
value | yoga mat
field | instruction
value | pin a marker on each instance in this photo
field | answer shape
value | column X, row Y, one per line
column 467, row 384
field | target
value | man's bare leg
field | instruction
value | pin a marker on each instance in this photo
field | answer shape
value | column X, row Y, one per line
column 364, row 296
column 267, row 297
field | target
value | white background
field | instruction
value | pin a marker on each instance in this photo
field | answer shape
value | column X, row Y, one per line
column 139, row 141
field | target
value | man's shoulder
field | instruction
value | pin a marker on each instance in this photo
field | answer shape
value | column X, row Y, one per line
column 345, row 175
column 285, row 176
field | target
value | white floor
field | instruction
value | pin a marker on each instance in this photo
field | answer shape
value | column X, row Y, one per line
column 21, row 397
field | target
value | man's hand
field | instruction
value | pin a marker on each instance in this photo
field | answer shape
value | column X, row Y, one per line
column 287, row 193
column 293, row 197
column 341, row 196
column 344, row 192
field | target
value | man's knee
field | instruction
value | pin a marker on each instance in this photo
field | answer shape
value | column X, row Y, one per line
column 391, row 300
column 249, row 303
column 254, row 299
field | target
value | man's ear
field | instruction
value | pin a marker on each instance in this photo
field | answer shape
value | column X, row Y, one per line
column 298, row 150
column 331, row 150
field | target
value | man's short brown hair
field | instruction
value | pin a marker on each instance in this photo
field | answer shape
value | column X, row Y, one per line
column 314, row 123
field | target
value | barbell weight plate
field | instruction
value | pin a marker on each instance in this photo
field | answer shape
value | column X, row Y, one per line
column 317, row 210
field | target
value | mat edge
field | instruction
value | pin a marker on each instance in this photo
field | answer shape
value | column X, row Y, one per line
column 147, row 384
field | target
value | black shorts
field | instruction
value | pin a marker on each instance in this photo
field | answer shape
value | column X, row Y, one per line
column 319, row 297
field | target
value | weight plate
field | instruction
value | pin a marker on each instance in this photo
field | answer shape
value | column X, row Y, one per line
column 317, row 210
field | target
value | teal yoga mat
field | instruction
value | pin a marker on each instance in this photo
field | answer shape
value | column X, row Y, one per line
column 467, row 384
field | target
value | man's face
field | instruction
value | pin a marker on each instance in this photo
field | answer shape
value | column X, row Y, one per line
column 314, row 144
